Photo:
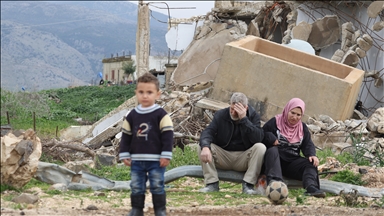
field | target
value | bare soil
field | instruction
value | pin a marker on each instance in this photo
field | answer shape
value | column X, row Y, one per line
column 114, row 205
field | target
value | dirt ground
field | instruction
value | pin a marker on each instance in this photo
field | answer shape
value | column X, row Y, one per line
column 256, row 205
column 59, row 206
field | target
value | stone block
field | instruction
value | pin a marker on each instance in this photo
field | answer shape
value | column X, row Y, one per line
column 271, row 74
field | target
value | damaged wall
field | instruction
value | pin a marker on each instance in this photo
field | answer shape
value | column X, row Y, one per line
column 348, row 33
column 272, row 74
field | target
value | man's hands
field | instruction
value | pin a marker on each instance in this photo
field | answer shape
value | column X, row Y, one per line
column 206, row 155
column 314, row 160
column 241, row 110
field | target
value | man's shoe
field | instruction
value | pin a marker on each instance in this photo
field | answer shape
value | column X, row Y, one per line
column 210, row 187
column 250, row 189
column 313, row 191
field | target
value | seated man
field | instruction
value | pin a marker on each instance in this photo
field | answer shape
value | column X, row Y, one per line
column 232, row 141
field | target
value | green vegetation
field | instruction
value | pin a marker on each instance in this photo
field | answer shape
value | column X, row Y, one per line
column 181, row 158
column 129, row 68
column 59, row 107
column 347, row 176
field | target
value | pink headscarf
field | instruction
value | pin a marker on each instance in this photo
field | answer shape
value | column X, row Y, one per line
column 295, row 132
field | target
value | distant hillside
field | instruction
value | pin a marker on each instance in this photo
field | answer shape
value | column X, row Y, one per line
column 48, row 45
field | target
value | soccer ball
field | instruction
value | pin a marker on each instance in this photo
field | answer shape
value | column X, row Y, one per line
column 277, row 192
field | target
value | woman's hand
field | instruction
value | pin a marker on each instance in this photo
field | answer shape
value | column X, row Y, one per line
column 314, row 160
column 276, row 143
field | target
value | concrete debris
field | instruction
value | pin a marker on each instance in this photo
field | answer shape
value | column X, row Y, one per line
column 78, row 166
column 350, row 58
column 302, row 31
column 59, row 186
column 347, row 35
column 375, row 8
column 19, row 158
column 365, row 42
column 325, row 32
column 376, row 122
column 253, row 29
column 378, row 26
column 26, row 198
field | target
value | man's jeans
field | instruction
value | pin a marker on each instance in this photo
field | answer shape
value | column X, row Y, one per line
column 141, row 171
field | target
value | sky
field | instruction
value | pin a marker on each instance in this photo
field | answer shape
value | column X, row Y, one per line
column 202, row 7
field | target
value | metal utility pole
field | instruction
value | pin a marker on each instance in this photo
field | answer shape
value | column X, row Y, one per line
column 142, row 39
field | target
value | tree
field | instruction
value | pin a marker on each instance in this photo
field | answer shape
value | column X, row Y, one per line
column 129, row 68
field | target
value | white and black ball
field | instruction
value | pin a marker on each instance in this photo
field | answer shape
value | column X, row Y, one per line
column 277, row 192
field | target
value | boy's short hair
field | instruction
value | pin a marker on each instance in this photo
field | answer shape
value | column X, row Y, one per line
column 239, row 97
column 149, row 78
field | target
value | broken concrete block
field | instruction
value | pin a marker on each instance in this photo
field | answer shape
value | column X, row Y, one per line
column 376, row 119
column 253, row 29
column 261, row 64
column 364, row 44
column 361, row 53
column 302, row 31
column 19, row 158
column 356, row 35
column 378, row 26
column 325, row 32
column 338, row 55
column 368, row 39
column 26, row 198
column 101, row 160
column 77, row 166
column 350, row 58
column 375, row 8
column 346, row 36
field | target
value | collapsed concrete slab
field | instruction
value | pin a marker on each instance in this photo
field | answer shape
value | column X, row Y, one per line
column 271, row 74
column 109, row 125
column 201, row 59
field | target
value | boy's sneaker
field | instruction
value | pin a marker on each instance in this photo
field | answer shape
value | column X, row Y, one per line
column 313, row 191
column 249, row 189
column 210, row 187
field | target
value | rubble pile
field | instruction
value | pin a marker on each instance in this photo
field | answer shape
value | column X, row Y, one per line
column 20, row 154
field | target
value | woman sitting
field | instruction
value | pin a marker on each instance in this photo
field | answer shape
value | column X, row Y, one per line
column 285, row 135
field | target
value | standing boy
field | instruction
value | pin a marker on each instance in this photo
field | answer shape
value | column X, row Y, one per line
column 146, row 146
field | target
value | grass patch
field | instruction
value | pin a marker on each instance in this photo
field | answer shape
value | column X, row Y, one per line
column 59, row 107
column 347, row 176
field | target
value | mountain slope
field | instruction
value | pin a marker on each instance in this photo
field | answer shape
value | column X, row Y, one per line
column 65, row 42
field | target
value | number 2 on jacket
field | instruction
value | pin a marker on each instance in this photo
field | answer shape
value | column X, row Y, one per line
column 142, row 132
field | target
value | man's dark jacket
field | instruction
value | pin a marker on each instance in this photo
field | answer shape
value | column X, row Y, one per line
column 220, row 130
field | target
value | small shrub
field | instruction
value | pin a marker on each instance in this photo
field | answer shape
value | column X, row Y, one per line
column 349, row 177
